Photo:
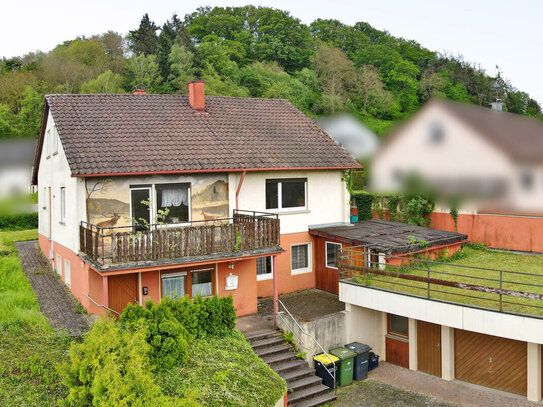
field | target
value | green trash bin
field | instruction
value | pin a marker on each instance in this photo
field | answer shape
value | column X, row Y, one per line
column 346, row 365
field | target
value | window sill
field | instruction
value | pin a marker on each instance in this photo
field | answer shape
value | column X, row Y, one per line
column 287, row 212
column 62, row 223
column 331, row 267
column 55, row 153
column 300, row 271
column 48, row 157
column 264, row 277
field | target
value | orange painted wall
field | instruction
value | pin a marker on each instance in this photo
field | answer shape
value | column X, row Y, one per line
column 245, row 300
column 79, row 271
column 96, row 292
column 286, row 281
column 496, row 231
column 430, row 254
column 151, row 280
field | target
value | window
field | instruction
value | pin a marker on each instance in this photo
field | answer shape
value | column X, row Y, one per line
column 48, row 145
column 58, row 265
column 332, row 250
column 202, row 283
column 286, row 193
column 67, row 273
column 264, row 268
column 175, row 199
column 62, row 205
column 398, row 325
column 436, row 133
column 300, row 258
column 55, row 140
column 140, row 211
column 173, row 285
column 527, row 180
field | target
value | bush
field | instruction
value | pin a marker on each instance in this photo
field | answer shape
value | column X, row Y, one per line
column 166, row 337
column 111, row 367
column 22, row 221
column 364, row 203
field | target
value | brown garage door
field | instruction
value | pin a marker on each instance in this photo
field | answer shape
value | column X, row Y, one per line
column 490, row 361
column 429, row 348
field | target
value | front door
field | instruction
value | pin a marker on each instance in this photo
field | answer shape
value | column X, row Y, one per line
column 122, row 290
column 429, row 348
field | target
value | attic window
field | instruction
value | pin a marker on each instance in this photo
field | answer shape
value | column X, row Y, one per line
column 527, row 180
column 437, row 133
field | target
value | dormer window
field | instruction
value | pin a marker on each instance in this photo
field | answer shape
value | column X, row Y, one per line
column 527, row 180
column 437, row 133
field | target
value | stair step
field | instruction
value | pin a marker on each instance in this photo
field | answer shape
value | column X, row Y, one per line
column 315, row 401
column 308, row 392
column 274, row 340
column 279, row 357
column 270, row 350
column 300, row 383
column 295, row 374
column 254, row 336
column 289, row 365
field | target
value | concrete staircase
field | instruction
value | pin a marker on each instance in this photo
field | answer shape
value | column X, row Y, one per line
column 305, row 389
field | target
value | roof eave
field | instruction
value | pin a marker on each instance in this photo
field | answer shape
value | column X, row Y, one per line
column 39, row 144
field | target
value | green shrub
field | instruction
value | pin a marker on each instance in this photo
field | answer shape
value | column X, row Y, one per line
column 163, row 332
column 111, row 367
column 364, row 203
column 22, row 221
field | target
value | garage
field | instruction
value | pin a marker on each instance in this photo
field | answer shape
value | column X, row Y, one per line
column 491, row 361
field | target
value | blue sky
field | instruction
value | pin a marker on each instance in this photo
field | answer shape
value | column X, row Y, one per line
column 489, row 33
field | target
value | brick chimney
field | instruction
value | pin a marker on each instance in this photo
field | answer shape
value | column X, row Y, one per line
column 197, row 96
column 139, row 91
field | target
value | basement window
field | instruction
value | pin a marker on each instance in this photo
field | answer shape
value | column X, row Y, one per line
column 398, row 325
column 286, row 194
column 300, row 258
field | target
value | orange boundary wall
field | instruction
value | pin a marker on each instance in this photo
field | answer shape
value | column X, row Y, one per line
column 511, row 232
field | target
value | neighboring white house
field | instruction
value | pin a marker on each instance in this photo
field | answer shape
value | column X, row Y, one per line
column 492, row 156
column 350, row 133
column 16, row 158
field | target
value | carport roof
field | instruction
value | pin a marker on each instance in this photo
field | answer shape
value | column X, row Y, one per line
column 386, row 236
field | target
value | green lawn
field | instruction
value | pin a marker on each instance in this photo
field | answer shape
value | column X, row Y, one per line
column 7, row 238
column 513, row 265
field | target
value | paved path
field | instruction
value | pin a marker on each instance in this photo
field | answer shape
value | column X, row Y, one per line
column 457, row 392
column 56, row 301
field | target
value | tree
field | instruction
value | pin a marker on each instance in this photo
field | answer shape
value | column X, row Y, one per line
column 143, row 40
column 108, row 82
column 181, row 67
column 402, row 81
column 335, row 72
column 373, row 97
column 29, row 117
column 142, row 70
column 432, row 84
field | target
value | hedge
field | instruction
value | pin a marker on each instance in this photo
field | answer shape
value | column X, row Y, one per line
column 22, row 221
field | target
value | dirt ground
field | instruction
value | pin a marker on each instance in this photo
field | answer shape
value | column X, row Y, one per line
column 305, row 305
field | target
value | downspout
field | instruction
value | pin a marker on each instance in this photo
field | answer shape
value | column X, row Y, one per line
column 239, row 187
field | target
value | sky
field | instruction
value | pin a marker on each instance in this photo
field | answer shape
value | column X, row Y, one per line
column 488, row 33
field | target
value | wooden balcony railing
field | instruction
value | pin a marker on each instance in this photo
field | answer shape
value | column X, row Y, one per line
column 115, row 246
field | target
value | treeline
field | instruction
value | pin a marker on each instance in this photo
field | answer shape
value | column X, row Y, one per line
column 326, row 67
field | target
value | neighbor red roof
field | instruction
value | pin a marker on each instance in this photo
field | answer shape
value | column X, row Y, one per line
column 124, row 134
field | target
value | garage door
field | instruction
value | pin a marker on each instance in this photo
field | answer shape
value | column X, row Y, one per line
column 429, row 348
column 490, row 361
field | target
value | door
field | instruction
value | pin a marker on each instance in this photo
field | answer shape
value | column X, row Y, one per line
column 122, row 290
column 326, row 270
column 490, row 361
column 429, row 348
column 140, row 207
column 397, row 341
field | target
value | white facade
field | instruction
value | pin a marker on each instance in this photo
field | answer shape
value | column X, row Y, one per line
column 54, row 174
column 461, row 155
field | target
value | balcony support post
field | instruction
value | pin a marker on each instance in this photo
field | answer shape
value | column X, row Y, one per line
column 275, row 291
column 105, row 291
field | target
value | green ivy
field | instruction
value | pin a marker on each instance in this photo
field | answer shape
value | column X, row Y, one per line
column 364, row 203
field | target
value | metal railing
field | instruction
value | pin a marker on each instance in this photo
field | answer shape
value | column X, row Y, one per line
column 304, row 332
column 507, row 291
column 114, row 245
column 101, row 305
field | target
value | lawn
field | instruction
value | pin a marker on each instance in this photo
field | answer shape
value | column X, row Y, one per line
column 29, row 350
column 520, row 272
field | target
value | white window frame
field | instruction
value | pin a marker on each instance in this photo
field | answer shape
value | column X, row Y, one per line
column 267, row 276
column 62, row 205
column 326, row 254
column 279, row 208
column 151, row 197
column 48, row 145
column 58, row 265
column 309, row 267
column 154, row 205
column 173, row 275
column 67, row 273
column 55, row 140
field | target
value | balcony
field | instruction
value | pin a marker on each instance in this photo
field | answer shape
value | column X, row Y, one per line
column 246, row 233
column 505, row 291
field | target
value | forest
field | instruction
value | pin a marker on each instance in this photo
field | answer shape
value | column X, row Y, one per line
column 323, row 68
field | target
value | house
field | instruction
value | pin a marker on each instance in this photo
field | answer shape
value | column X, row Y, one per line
column 16, row 158
column 488, row 160
column 350, row 133
column 144, row 196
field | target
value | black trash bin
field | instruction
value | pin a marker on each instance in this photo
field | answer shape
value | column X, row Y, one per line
column 326, row 368
column 374, row 361
column 361, row 359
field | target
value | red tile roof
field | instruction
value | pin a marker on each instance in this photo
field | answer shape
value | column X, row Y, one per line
column 125, row 134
